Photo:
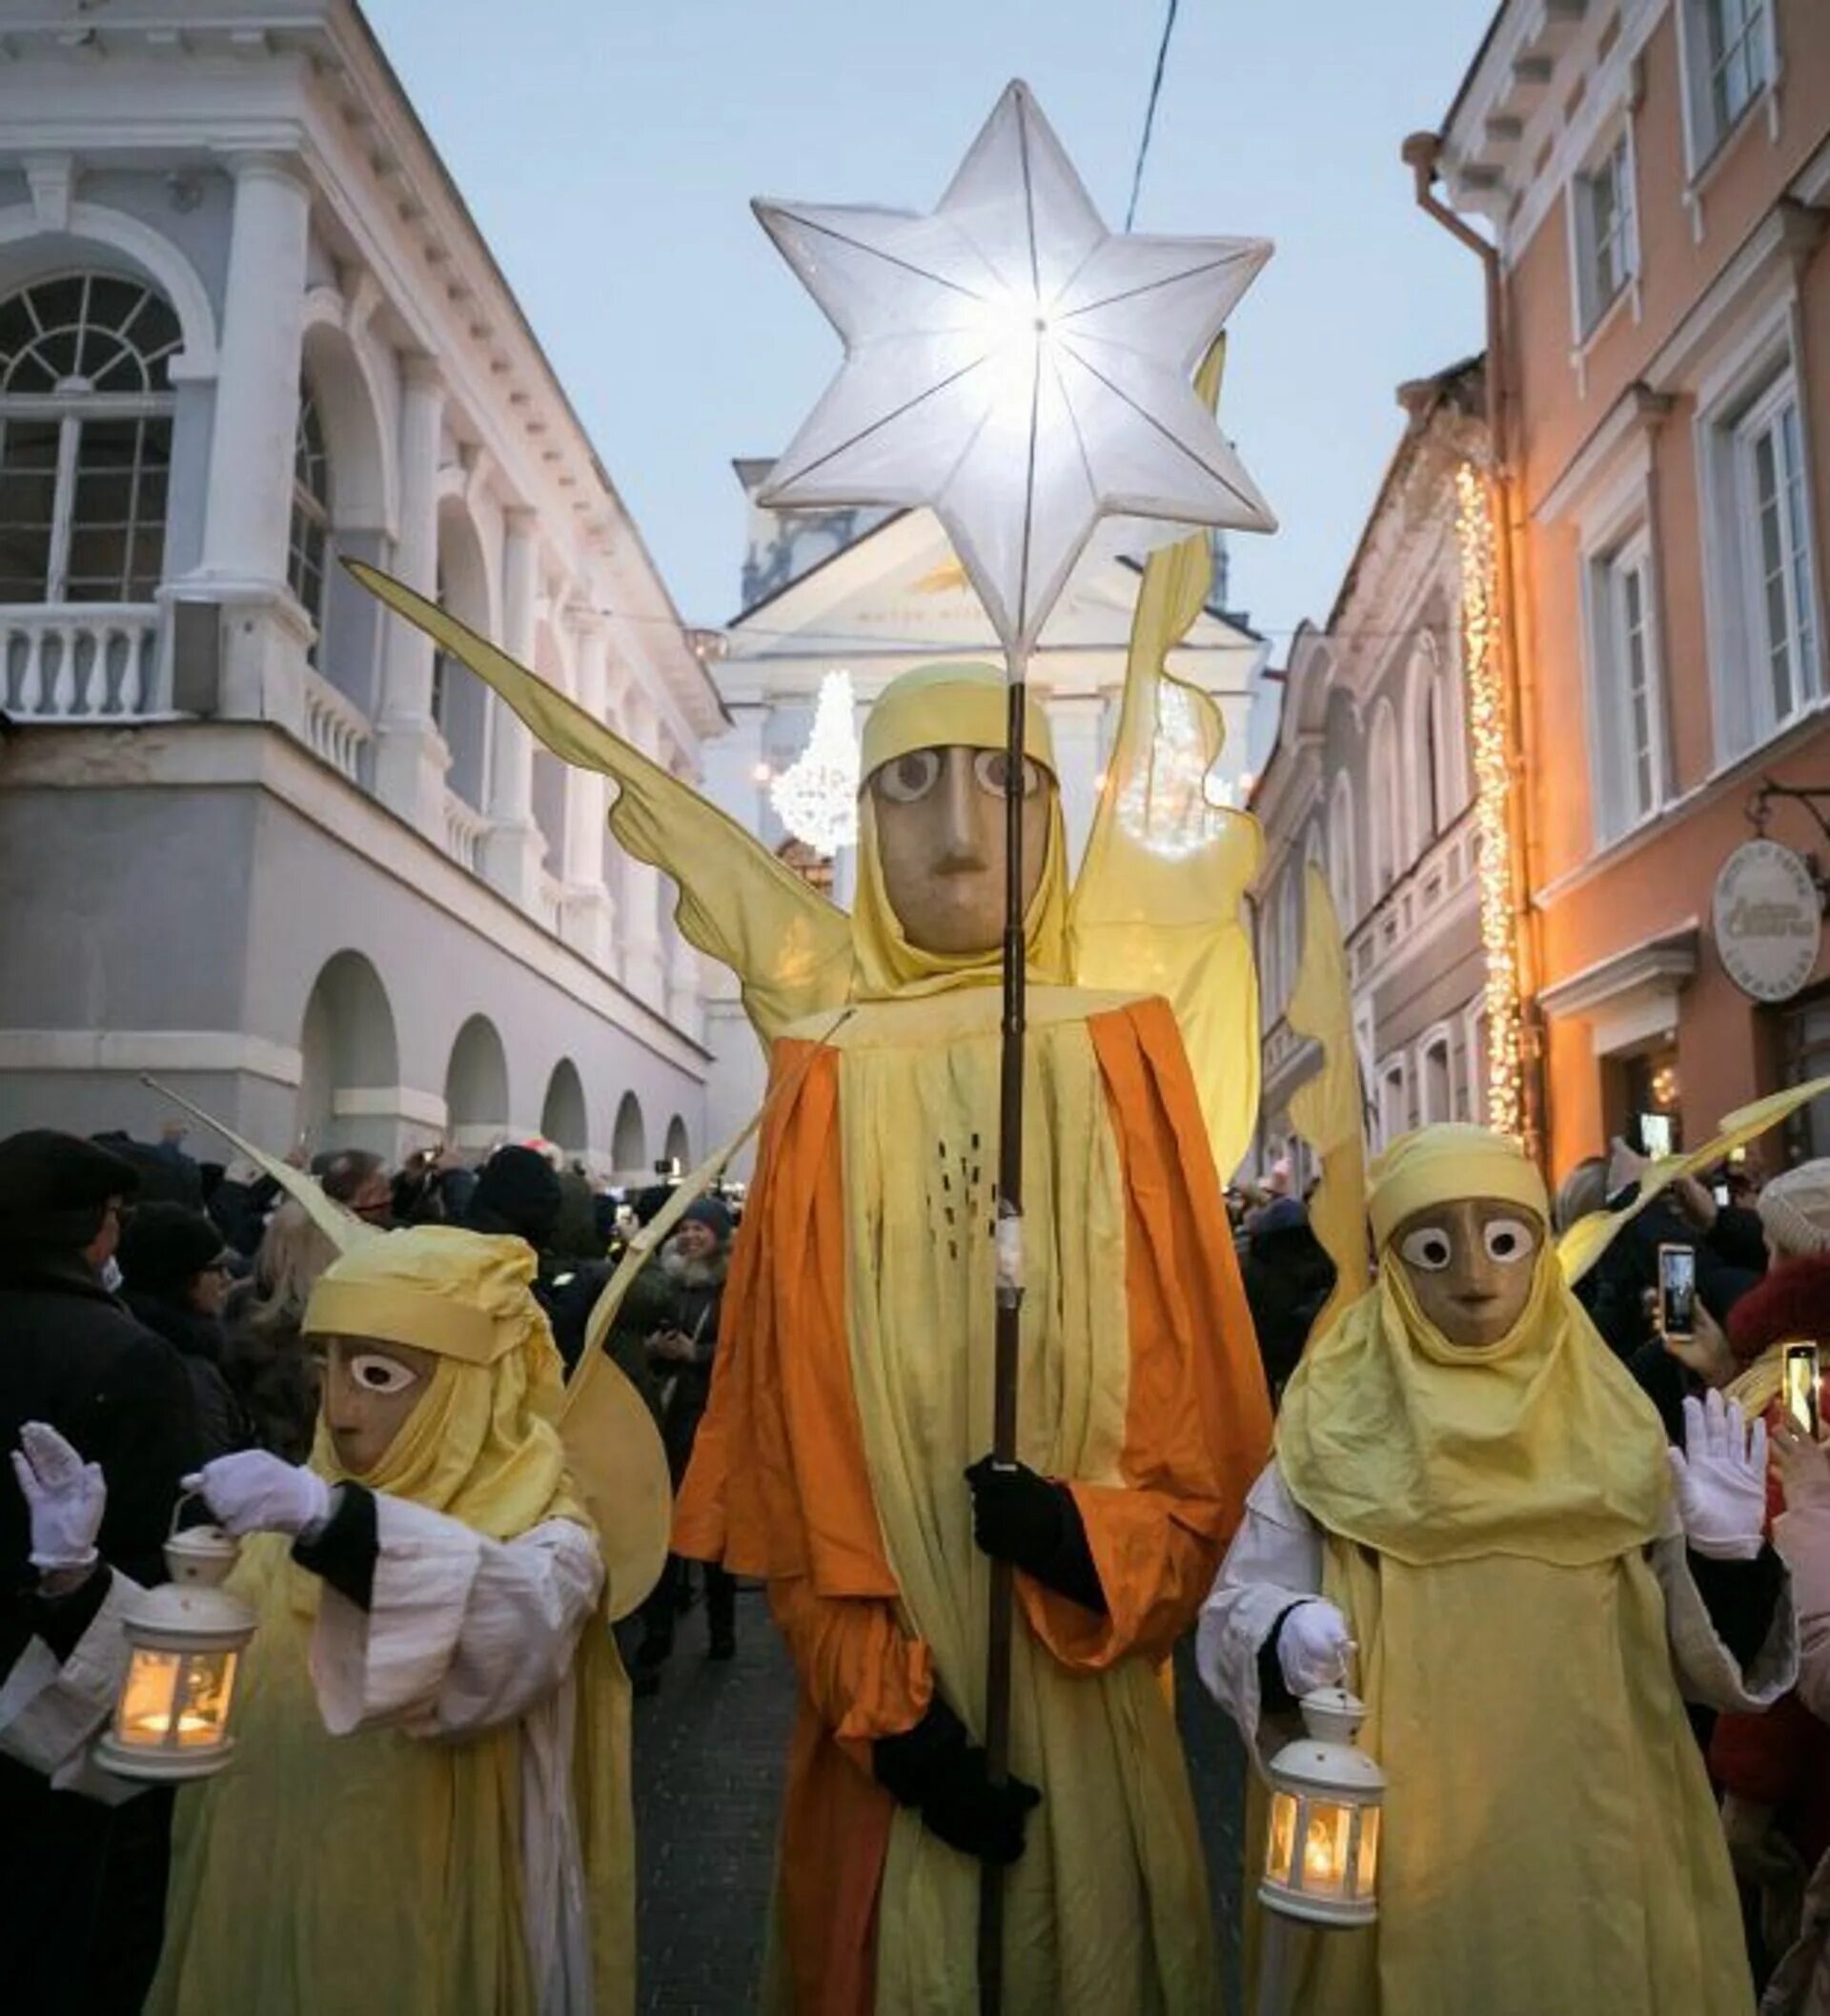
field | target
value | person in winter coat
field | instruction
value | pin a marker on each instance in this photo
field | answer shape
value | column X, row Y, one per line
column 1289, row 1276
column 174, row 1277
column 274, row 1375
column 1801, row 1982
column 682, row 1291
column 1775, row 1768
column 81, row 1888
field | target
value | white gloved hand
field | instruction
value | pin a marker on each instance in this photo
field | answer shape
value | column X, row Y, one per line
column 1313, row 1647
column 65, row 1498
column 1720, row 1480
column 255, row 1491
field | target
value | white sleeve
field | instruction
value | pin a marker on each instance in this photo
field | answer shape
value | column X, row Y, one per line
column 462, row 1633
column 1708, row 1673
column 50, row 1713
column 1275, row 1561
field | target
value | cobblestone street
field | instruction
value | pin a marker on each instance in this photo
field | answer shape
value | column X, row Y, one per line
column 709, row 1751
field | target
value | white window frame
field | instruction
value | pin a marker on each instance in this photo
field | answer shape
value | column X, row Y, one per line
column 1433, row 1042
column 1614, row 164
column 1394, row 1069
column 1741, row 408
column 1385, row 810
column 1342, row 882
column 1612, row 577
column 73, row 404
column 1705, row 133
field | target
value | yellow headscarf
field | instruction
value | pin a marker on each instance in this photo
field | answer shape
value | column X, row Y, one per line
column 482, row 1444
column 1541, row 1445
column 950, row 707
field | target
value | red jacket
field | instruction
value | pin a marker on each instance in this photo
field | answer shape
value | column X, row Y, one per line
column 1782, row 1757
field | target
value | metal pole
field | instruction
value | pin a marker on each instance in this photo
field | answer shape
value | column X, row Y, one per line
column 1009, row 1317
column 1273, row 1964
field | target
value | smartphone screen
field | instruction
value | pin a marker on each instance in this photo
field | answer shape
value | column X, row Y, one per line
column 1720, row 1192
column 1801, row 1386
column 1678, row 1291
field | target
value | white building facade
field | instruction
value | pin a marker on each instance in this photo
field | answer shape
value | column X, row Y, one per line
column 1372, row 776
column 255, row 837
column 875, row 593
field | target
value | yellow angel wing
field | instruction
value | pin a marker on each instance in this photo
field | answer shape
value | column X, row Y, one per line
column 1158, row 903
column 1327, row 1109
column 1590, row 1237
column 790, row 946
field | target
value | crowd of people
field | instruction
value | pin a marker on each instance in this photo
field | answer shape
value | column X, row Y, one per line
column 156, row 1307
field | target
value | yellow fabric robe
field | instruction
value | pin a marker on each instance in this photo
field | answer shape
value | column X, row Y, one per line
column 854, row 1387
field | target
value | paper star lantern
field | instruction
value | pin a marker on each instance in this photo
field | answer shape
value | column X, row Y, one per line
column 1012, row 364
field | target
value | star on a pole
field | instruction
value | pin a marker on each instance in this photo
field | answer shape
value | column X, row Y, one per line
column 1016, row 366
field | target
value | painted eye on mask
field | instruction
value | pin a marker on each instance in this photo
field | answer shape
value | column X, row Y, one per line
column 991, row 768
column 1429, row 1249
column 1507, row 1240
column 908, row 778
column 375, row 1374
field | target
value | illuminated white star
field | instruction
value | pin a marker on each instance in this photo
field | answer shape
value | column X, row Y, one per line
column 1011, row 363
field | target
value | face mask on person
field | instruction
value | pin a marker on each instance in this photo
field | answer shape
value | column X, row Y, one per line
column 370, row 1392
column 1471, row 1267
column 940, row 817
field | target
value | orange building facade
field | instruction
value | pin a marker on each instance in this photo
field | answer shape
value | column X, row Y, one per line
column 1657, row 177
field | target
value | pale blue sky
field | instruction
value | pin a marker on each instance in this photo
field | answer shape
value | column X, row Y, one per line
column 609, row 150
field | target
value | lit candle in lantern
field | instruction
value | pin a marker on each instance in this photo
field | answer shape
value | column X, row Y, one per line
column 185, row 1641
column 1322, row 1852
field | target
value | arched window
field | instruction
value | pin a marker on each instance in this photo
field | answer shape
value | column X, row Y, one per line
column 1342, row 881
column 84, row 440
column 308, row 553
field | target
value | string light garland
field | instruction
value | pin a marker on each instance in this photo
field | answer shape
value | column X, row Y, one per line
column 1484, row 674
column 816, row 797
column 1172, row 804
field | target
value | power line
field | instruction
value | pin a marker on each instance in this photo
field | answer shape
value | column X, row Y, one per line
column 1150, row 113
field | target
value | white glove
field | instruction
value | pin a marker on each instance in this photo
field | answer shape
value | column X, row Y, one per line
column 65, row 1498
column 1721, row 1478
column 255, row 1491
column 1313, row 1647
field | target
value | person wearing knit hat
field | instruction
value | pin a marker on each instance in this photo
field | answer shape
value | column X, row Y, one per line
column 174, row 1277
column 81, row 1913
column 1464, row 1475
column 1795, row 1211
column 431, row 1773
column 678, row 1298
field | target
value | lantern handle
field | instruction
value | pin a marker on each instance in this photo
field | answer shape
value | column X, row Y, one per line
column 184, row 1498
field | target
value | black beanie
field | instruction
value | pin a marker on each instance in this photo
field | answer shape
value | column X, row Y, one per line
column 164, row 1246
column 53, row 1188
column 518, row 1191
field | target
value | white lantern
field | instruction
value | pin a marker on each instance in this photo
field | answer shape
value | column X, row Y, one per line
column 185, row 1641
column 1322, row 1852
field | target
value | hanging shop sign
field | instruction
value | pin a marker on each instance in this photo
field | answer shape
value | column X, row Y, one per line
column 1769, row 920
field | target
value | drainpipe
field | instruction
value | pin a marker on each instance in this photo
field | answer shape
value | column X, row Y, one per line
column 1422, row 153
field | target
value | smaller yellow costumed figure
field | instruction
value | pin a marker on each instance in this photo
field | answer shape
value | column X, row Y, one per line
column 427, row 1812
column 1471, row 1498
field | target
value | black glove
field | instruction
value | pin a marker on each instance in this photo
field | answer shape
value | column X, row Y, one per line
column 1032, row 1522
column 934, row 1769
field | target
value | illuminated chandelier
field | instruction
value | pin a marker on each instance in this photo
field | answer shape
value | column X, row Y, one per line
column 816, row 797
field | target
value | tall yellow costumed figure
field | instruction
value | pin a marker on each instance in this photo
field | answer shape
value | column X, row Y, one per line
column 842, row 1456
column 1472, row 1506
column 427, row 1811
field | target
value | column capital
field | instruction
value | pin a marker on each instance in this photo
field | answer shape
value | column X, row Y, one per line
column 264, row 165
column 423, row 374
column 520, row 520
